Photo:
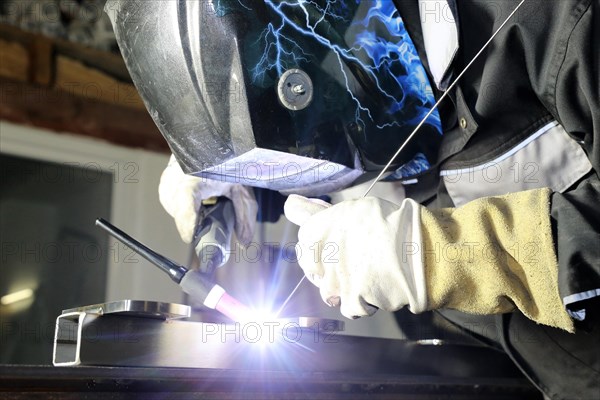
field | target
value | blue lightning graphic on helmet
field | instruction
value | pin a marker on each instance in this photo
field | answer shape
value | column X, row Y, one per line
column 280, row 53
column 384, row 54
column 393, row 66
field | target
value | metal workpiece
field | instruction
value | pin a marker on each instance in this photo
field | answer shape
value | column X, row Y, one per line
column 272, row 345
column 68, row 335
column 121, row 321
column 124, row 347
column 133, row 308
column 320, row 324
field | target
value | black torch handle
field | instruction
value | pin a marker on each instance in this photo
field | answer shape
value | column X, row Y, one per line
column 170, row 267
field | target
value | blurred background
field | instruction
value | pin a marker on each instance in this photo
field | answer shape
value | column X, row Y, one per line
column 79, row 21
column 76, row 143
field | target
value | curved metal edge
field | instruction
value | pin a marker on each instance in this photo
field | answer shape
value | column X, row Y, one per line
column 142, row 308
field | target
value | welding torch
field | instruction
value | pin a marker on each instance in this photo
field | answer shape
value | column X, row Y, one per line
column 199, row 285
column 212, row 236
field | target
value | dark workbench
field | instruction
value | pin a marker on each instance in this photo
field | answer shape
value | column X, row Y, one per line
column 43, row 382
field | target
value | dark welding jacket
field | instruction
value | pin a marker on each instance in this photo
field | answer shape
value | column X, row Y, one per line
column 526, row 115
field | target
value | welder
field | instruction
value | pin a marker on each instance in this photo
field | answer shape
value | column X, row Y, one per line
column 495, row 221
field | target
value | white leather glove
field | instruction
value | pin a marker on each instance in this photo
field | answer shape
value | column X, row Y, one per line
column 181, row 196
column 370, row 253
column 361, row 253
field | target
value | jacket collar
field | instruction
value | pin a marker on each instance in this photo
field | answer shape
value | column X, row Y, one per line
column 439, row 26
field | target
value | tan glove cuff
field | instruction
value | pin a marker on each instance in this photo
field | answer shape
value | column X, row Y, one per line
column 492, row 255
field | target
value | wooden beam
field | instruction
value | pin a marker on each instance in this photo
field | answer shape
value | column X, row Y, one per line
column 67, row 87
column 110, row 63
column 42, row 61
column 14, row 61
column 74, row 77
column 61, row 111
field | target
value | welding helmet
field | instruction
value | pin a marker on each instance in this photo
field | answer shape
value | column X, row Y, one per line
column 296, row 96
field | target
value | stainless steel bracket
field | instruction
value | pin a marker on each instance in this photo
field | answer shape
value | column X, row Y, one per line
column 68, row 335
column 129, row 336
column 90, row 335
column 141, row 308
